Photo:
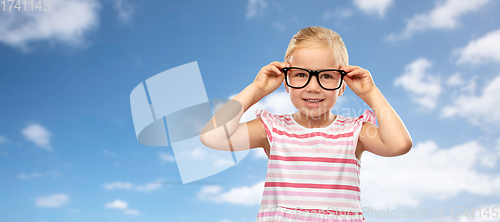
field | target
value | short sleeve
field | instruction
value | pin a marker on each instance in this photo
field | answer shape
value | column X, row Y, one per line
column 367, row 116
column 267, row 119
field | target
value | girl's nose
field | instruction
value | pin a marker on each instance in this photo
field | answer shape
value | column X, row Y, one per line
column 313, row 85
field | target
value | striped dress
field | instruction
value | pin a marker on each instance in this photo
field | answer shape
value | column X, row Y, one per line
column 312, row 173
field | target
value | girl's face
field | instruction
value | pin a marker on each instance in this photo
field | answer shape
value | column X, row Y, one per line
column 317, row 58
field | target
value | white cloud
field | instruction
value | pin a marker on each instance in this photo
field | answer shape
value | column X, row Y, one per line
column 118, row 186
column 374, row 6
column 423, row 87
column 129, row 186
column 56, row 200
column 149, row 187
column 223, row 162
column 239, row 195
column 477, row 109
column 122, row 205
column 117, row 204
column 259, row 153
column 279, row 25
column 24, row 176
column 118, row 120
column 199, row 154
column 342, row 13
column 38, row 135
column 132, row 212
column 3, row 140
column 209, row 190
column 255, row 7
column 455, row 80
column 428, row 172
column 465, row 86
column 66, row 22
column 166, row 158
column 108, row 153
column 481, row 50
column 124, row 9
column 444, row 16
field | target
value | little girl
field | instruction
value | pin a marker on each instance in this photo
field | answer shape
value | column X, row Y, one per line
column 314, row 155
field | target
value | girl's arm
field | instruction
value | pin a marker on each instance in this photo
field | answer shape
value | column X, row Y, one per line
column 242, row 136
column 390, row 138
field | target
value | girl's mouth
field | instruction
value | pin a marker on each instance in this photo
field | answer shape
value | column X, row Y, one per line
column 313, row 101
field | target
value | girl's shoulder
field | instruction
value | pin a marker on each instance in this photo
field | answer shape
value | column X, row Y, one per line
column 270, row 117
column 366, row 116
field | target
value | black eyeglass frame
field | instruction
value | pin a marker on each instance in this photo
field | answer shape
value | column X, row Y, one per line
column 314, row 73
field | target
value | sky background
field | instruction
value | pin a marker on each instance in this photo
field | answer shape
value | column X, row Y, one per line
column 68, row 149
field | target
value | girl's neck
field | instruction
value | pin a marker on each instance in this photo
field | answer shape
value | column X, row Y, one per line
column 321, row 121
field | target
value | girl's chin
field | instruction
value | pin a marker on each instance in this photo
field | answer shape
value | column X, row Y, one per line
column 315, row 114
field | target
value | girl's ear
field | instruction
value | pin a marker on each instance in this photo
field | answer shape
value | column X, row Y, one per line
column 286, row 87
column 342, row 88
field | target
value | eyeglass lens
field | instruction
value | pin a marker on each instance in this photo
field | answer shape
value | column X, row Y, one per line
column 328, row 79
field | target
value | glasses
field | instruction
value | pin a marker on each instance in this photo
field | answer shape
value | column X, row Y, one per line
column 328, row 79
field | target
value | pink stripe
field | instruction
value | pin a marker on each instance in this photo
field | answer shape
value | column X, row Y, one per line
column 268, row 132
column 367, row 116
column 309, row 203
column 351, row 119
column 347, row 123
column 271, row 216
column 280, row 121
column 311, row 150
column 302, row 129
column 356, row 134
column 315, row 134
column 292, row 126
column 342, row 120
column 311, row 177
column 308, row 167
column 265, row 151
column 313, row 142
column 311, row 194
column 327, row 211
column 314, row 159
column 312, row 185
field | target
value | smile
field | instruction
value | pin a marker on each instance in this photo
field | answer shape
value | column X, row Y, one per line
column 313, row 100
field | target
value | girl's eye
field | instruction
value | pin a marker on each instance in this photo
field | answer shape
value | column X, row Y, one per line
column 326, row 76
column 301, row 75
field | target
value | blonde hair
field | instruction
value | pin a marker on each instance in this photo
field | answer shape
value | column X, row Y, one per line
column 318, row 37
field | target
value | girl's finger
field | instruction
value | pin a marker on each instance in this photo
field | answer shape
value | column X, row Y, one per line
column 357, row 73
column 348, row 80
column 281, row 65
column 276, row 63
column 276, row 70
column 349, row 68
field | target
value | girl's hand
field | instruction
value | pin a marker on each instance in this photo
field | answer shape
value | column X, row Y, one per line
column 359, row 80
column 270, row 77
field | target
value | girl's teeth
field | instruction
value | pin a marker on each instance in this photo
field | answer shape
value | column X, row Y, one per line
column 313, row 100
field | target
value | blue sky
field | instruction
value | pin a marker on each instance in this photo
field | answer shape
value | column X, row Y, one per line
column 68, row 150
